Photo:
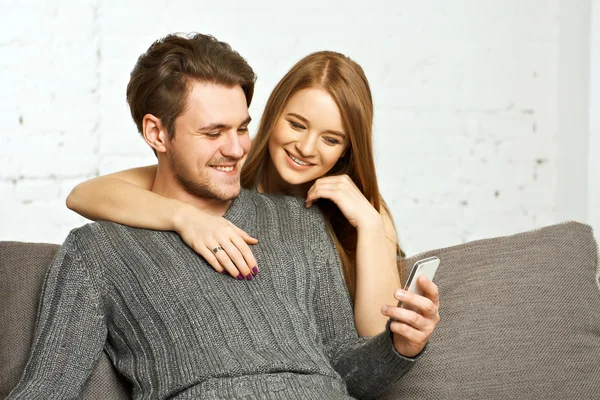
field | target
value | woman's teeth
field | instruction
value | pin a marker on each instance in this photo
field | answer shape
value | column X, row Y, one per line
column 298, row 161
column 224, row 169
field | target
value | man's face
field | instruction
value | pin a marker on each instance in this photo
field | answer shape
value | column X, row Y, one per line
column 211, row 141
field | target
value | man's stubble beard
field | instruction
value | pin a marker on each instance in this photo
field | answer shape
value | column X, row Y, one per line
column 201, row 186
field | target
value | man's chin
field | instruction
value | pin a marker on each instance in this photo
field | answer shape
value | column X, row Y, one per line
column 228, row 193
column 230, row 196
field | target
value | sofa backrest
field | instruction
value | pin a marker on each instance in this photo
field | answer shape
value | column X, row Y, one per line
column 23, row 267
column 520, row 319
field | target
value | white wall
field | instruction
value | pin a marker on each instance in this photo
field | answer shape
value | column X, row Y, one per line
column 573, row 110
column 594, row 121
column 467, row 93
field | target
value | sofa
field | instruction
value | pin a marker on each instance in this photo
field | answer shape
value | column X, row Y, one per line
column 520, row 319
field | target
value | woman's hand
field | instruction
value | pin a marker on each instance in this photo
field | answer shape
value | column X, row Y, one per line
column 220, row 242
column 412, row 327
column 343, row 192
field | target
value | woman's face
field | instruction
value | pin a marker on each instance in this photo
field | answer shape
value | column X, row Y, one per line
column 308, row 138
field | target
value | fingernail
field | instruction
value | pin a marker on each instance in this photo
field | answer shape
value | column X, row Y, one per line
column 399, row 294
column 249, row 277
column 384, row 308
column 224, row 272
column 254, row 270
column 240, row 277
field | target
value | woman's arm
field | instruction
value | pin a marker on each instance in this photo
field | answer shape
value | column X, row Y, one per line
column 125, row 197
column 376, row 274
column 376, row 271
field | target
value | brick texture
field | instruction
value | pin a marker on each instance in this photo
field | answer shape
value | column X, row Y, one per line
column 465, row 95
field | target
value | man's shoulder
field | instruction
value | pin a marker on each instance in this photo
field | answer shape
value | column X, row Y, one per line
column 105, row 234
column 291, row 215
column 98, row 228
column 288, row 205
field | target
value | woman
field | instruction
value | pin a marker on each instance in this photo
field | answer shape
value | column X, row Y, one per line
column 313, row 141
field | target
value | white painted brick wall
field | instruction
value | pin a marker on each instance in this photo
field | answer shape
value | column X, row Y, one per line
column 465, row 94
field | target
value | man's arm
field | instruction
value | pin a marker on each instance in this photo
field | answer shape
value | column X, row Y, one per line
column 70, row 329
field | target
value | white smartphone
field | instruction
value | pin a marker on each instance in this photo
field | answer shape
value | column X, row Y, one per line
column 426, row 267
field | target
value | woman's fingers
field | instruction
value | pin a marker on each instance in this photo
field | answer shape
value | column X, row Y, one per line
column 420, row 304
column 411, row 329
column 244, row 235
column 208, row 255
column 225, row 256
column 414, row 321
column 244, row 257
column 407, row 317
column 234, row 255
column 323, row 192
column 429, row 290
column 409, row 332
column 411, row 341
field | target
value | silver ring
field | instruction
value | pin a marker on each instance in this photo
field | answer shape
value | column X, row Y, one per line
column 217, row 249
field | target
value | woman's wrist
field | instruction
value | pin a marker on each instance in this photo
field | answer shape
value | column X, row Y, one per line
column 371, row 223
column 181, row 215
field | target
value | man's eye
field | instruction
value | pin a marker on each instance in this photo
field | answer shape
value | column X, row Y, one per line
column 296, row 125
column 213, row 135
column 243, row 130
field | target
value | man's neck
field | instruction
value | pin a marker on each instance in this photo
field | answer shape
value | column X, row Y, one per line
column 168, row 186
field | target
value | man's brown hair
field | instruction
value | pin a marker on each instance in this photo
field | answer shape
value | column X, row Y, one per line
column 160, row 81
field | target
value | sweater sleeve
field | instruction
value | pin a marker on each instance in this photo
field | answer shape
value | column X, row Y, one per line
column 70, row 330
column 368, row 365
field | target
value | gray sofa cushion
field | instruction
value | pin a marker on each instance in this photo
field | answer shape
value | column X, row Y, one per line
column 520, row 319
column 23, row 267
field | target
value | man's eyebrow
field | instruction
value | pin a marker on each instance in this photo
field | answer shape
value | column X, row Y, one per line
column 246, row 121
column 301, row 118
column 215, row 126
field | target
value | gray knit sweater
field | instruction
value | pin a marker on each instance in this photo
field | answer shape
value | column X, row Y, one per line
column 177, row 329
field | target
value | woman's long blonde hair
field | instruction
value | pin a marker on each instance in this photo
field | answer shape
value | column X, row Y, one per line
column 347, row 84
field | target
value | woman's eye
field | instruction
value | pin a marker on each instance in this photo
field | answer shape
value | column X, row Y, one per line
column 332, row 140
column 296, row 125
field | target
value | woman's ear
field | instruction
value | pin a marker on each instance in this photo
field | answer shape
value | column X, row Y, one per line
column 154, row 133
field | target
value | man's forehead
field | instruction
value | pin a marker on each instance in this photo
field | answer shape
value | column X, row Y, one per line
column 214, row 103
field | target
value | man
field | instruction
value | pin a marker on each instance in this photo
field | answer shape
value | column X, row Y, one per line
column 173, row 326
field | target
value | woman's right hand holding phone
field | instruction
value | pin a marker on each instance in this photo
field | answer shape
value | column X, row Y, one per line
column 220, row 242
column 412, row 326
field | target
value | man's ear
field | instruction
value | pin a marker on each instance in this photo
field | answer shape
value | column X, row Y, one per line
column 155, row 134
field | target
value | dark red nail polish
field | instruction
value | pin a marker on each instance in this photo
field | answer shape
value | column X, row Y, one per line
column 249, row 277
column 254, row 270
column 224, row 272
column 240, row 277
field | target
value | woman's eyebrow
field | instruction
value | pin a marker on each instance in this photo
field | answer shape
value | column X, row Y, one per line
column 301, row 118
column 337, row 133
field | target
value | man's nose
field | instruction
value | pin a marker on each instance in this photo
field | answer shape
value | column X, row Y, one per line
column 232, row 146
